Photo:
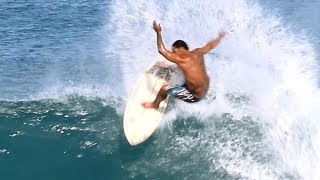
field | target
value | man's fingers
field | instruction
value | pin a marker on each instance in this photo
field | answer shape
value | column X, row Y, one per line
column 156, row 26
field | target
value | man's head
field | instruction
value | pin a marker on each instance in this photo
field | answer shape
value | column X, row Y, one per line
column 178, row 45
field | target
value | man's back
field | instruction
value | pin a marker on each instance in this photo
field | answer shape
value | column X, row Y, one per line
column 193, row 67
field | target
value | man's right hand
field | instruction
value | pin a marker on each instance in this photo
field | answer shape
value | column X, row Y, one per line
column 157, row 27
column 222, row 34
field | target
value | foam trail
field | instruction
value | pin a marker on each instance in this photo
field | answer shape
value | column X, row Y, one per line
column 261, row 70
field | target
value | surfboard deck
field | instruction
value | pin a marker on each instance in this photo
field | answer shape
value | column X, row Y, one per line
column 139, row 123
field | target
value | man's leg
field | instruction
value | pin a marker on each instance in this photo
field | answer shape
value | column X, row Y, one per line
column 162, row 94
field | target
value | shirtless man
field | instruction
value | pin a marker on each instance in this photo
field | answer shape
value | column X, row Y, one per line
column 192, row 65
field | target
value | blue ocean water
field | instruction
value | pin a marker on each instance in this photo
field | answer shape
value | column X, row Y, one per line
column 66, row 68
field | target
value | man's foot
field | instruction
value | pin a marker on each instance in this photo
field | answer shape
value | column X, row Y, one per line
column 149, row 105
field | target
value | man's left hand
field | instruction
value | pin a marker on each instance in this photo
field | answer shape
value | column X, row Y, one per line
column 157, row 27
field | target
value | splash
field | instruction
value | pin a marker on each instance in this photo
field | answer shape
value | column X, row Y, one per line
column 261, row 70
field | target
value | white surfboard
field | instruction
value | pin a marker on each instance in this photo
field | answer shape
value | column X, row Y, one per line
column 139, row 123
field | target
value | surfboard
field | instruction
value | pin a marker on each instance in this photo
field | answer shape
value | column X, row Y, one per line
column 139, row 123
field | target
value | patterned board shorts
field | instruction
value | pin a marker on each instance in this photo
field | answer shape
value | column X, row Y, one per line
column 181, row 92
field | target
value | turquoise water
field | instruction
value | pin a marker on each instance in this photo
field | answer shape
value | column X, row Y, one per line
column 67, row 67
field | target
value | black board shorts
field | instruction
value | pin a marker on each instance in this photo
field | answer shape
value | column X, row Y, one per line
column 181, row 92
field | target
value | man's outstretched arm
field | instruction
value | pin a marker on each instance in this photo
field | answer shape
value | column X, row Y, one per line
column 161, row 48
column 211, row 44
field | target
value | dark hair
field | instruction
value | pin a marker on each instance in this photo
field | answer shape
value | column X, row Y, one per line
column 179, row 44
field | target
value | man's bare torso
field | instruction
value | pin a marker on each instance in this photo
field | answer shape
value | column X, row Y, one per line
column 193, row 68
column 191, row 64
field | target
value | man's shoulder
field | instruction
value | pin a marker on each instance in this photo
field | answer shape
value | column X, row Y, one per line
column 195, row 51
column 195, row 54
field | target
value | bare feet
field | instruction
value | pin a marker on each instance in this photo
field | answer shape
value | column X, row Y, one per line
column 149, row 105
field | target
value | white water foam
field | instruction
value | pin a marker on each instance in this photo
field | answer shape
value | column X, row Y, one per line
column 261, row 70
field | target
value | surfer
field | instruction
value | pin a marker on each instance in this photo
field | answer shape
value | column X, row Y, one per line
column 192, row 65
